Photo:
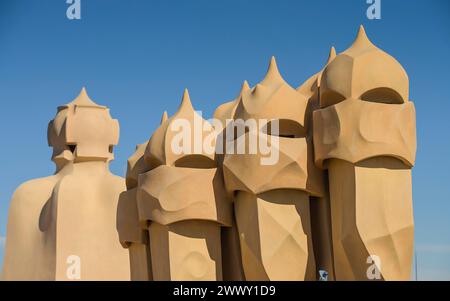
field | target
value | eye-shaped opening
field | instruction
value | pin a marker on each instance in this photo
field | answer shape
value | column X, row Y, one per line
column 286, row 128
column 72, row 148
column 195, row 161
column 382, row 95
column 330, row 98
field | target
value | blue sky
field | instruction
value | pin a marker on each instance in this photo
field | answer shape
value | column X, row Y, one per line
column 137, row 56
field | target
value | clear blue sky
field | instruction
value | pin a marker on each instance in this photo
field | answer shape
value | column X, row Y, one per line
column 137, row 56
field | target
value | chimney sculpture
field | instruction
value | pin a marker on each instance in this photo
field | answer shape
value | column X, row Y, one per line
column 293, row 184
column 272, row 201
column 62, row 227
column 364, row 134
column 231, row 253
column 132, row 234
column 225, row 112
column 181, row 199
column 320, row 207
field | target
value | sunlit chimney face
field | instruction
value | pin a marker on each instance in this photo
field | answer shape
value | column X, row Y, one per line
column 280, row 114
column 363, row 72
column 88, row 129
